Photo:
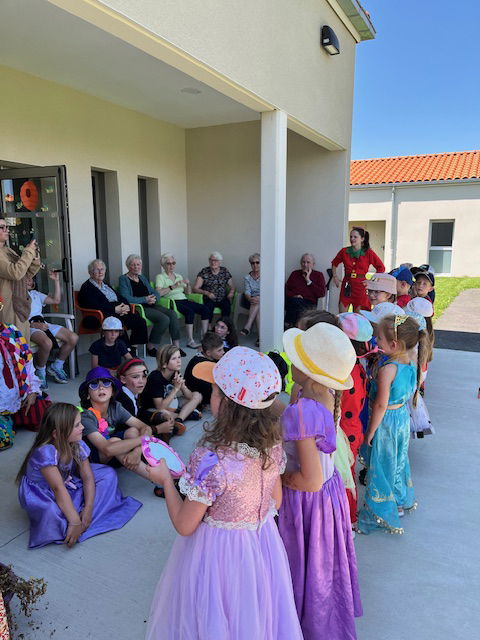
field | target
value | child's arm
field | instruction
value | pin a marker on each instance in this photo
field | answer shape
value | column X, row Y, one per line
column 88, row 480
column 143, row 429
column 65, row 504
column 186, row 514
column 294, row 393
column 128, row 356
column 113, row 446
column 57, row 294
column 94, row 362
column 385, row 377
column 277, row 493
column 310, row 475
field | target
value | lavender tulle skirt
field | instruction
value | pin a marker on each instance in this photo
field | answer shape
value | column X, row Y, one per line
column 225, row 584
column 316, row 530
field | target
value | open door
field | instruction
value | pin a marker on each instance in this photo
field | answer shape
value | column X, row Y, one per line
column 34, row 204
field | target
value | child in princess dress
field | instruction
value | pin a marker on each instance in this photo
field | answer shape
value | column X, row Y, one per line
column 314, row 518
column 227, row 576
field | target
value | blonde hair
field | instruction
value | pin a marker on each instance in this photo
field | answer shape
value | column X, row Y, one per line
column 164, row 354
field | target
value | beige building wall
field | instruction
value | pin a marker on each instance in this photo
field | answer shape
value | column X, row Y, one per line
column 416, row 207
column 60, row 126
column 270, row 47
column 223, row 195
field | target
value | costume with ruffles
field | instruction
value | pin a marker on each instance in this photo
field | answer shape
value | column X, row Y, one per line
column 230, row 578
column 315, row 527
column 47, row 521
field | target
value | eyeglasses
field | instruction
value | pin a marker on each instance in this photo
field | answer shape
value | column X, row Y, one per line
column 3, row 227
column 255, row 262
column 106, row 383
column 98, row 270
column 171, row 263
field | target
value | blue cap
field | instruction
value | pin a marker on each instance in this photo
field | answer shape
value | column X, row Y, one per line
column 404, row 275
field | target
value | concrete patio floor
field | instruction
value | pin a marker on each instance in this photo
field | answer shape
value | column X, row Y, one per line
column 423, row 585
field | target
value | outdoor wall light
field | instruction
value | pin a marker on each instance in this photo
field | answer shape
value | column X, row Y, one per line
column 329, row 41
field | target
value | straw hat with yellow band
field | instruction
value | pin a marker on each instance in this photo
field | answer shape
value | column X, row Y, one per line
column 324, row 353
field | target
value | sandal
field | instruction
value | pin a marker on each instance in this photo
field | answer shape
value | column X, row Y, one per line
column 193, row 345
column 159, row 492
column 245, row 332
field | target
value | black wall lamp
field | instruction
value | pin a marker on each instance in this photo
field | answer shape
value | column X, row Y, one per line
column 329, row 41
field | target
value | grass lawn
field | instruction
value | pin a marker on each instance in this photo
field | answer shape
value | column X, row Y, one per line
column 446, row 289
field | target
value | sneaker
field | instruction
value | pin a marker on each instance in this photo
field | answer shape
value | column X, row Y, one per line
column 43, row 380
column 182, row 353
column 195, row 415
column 58, row 374
column 179, row 427
column 245, row 332
column 152, row 352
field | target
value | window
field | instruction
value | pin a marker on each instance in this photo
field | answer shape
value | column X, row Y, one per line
column 441, row 241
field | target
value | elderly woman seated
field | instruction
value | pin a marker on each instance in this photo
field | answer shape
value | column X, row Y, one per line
column 216, row 285
column 174, row 286
column 251, row 297
column 304, row 287
column 95, row 293
column 136, row 289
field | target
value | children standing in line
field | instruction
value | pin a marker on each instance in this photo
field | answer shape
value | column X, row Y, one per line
column 212, row 350
column 389, row 489
column 314, row 519
column 44, row 334
column 225, row 328
column 404, row 280
column 360, row 332
column 110, row 349
column 165, row 384
column 67, row 499
column 227, row 575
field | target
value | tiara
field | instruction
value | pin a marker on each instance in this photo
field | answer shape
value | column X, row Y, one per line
column 397, row 322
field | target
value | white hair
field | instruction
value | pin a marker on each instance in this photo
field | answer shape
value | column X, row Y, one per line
column 164, row 257
column 131, row 258
column 91, row 265
column 216, row 255
column 254, row 255
column 310, row 255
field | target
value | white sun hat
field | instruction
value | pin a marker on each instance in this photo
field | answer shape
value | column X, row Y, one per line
column 324, row 353
column 423, row 306
column 112, row 324
column 381, row 310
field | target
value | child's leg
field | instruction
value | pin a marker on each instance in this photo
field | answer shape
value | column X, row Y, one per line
column 44, row 344
column 190, row 405
column 69, row 342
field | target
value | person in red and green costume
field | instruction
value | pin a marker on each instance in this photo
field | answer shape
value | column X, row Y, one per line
column 356, row 260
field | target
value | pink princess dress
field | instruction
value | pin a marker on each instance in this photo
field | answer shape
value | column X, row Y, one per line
column 316, row 530
column 230, row 579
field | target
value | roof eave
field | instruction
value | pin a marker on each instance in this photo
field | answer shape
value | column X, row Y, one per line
column 417, row 183
column 356, row 15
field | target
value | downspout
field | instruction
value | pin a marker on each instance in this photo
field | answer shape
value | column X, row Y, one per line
column 393, row 231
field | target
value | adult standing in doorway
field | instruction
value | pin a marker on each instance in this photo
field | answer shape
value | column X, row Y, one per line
column 95, row 293
column 216, row 285
column 303, row 289
column 136, row 289
column 14, row 271
column 174, row 286
column 356, row 259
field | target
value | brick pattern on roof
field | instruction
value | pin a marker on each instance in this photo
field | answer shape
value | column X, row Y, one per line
column 460, row 165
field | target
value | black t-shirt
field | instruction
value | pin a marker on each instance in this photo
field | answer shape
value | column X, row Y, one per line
column 157, row 387
column 139, row 289
column 109, row 357
column 193, row 383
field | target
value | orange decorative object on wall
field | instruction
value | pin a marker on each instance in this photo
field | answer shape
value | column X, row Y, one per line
column 29, row 195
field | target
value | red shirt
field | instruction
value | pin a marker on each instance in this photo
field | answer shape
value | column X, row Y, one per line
column 358, row 265
column 402, row 301
column 297, row 286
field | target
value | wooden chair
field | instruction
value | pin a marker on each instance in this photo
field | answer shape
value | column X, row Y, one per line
column 96, row 313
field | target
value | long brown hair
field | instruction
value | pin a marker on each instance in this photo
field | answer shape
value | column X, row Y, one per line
column 58, row 417
column 164, row 354
column 259, row 428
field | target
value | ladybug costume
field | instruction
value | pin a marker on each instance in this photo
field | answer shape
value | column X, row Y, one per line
column 356, row 265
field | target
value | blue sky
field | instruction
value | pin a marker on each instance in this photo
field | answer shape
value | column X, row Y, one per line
column 417, row 85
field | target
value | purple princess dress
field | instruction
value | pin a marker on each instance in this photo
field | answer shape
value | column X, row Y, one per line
column 230, row 579
column 47, row 522
column 316, row 530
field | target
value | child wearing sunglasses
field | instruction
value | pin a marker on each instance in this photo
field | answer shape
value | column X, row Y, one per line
column 112, row 433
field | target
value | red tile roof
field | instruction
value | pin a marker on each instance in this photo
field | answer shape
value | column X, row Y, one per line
column 436, row 166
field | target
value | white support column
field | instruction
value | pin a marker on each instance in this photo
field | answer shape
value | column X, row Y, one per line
column 273, row 212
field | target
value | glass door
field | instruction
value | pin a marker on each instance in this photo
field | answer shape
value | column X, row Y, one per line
column 34, row 205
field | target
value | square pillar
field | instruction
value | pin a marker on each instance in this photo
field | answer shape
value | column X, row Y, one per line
column 273, row 213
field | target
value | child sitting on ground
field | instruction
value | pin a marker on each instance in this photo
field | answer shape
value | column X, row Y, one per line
column 225, row 328
column 67, row 499
column 133, row 377
column 165, row 384
column 382, row 287
column 404, row 280
column 113, row 435
column 110, row 349
column 212, row 350
column 44, row 334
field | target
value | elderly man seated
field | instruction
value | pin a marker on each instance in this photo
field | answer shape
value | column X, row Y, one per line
column 303, row 289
